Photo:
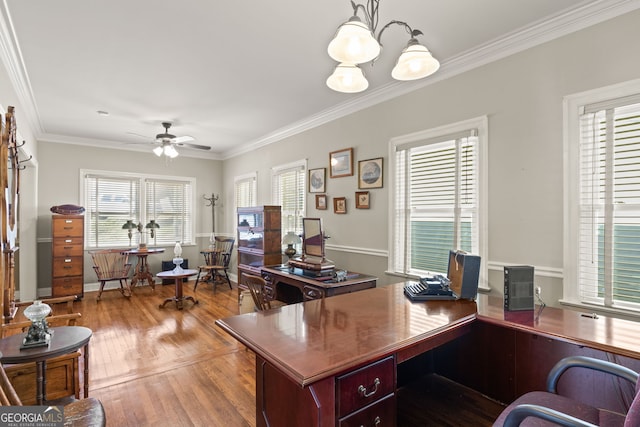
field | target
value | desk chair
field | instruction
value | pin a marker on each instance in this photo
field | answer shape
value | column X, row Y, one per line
column 111, row 265
column 257, row 287
column 216, row 263
column 85, row 412
column 540, row 408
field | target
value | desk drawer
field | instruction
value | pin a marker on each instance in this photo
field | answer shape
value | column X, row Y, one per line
column 68, row 266
column 380, row 414
column 366, row 385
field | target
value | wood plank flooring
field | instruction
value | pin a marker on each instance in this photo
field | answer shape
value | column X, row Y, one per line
column 169, row 367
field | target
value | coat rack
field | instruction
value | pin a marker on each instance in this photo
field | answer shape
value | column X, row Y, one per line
column 212, row 202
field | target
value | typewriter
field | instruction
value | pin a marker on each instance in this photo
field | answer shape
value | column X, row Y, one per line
column 429, row 289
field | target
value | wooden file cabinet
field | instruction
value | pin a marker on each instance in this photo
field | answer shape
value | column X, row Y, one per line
column 68, row 255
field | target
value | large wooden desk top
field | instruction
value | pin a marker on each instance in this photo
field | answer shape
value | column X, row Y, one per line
column 604, row 333
column 319, row 338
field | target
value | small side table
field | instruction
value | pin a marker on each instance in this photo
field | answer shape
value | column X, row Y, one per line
column 65, row 339
column 141, row 272
column 177, row 277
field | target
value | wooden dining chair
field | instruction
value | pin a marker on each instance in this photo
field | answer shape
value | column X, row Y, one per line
column 112, row 265
column 257, row 287
column 62, row 371
column 80, row 413
column 216, row 264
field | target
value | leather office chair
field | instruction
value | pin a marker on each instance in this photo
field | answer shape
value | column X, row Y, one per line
column 257, row 286
column 540, row 408
column 216, row 263
column 111, row 265
column 85, row 412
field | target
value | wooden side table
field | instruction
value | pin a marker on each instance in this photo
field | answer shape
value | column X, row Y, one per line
column 177, row 277
column 141, row 272
column 64, row 339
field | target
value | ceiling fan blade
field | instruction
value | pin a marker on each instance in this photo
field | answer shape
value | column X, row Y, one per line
column 196, row 146
column 185, row 138
column 141, row 136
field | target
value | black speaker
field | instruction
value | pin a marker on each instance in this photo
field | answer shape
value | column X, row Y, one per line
column 518, row 288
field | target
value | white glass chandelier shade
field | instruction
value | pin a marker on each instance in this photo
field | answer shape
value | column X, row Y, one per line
column 354, row 43
column 415, row 62
column 167, row 149
column 347, row 78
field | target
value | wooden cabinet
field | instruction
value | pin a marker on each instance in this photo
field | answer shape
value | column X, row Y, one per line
column 259, row 240
column 68, row 255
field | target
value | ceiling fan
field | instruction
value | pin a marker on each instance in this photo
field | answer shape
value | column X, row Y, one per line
column 167, row 143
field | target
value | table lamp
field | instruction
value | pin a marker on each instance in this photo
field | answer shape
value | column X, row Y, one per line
column 38, row 334
column 290, row 239
column 129, row 225
column 152, row 227
column 177, row 260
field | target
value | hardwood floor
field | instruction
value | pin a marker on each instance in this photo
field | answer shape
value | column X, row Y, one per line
column 169, row 367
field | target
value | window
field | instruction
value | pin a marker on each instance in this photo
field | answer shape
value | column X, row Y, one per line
column 438, row 197
column 245, row 189
column 288, row 190
column 604, row 204
column 112, row 198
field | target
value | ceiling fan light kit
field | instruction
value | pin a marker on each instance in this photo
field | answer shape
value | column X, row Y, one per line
column 356, row 43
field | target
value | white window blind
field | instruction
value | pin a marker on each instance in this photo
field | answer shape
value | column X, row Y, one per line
column 169, row 203
column 288, row 191
column 109, row 202
column 436, row 202
column 111, row 199
column 609, row 206
column 245, row 190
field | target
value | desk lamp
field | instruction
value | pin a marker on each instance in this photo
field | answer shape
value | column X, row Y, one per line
column 290, row 239
column 38, row 334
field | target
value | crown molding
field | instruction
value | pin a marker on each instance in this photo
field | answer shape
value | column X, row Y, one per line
column 567, row 22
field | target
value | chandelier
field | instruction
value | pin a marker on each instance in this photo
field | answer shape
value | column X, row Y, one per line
column 167, row 149
column 356, row 43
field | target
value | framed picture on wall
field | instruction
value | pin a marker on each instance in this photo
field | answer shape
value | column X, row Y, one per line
column 321, row 202
column 317, row 180
column 341, row 163
column 370, row 173
column 362, row 200
column 340, row 205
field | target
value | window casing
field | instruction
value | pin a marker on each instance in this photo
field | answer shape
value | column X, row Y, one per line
column 288, row 191
column 602, row 246
column 112, row 198
column 437, row 203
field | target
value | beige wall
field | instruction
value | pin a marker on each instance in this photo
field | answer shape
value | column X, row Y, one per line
column 522, row 96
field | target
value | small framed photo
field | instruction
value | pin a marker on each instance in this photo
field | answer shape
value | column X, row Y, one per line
column 317, row 179
column 321, row 202
column 362, row 200
column 340, row 205
column 341, row 163
column 370, row 173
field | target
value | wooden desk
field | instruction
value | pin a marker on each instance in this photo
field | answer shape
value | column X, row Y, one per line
column 141, row 272
column 314, row 356
column 309, row 287
column 177, row 277
column 65, row 339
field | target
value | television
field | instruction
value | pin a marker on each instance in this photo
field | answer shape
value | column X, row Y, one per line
column 312, row 247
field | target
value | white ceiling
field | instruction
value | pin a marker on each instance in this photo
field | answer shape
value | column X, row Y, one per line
column 236, row 74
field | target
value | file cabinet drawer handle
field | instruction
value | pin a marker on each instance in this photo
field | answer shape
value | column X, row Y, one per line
column 362, row 391
column 376, row 422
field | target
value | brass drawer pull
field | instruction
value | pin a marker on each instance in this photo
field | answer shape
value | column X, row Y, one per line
column 363, row 391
